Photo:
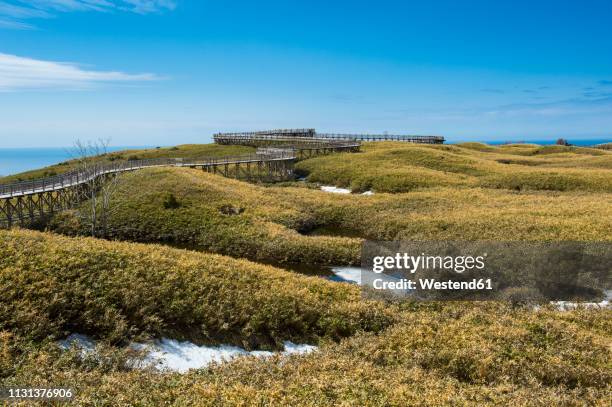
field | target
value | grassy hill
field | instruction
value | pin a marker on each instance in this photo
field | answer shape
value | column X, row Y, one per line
column 403, row 167
column 370, row 352
column 281, row 224
column 431, row 354
column 181, row 151
column 52, row 285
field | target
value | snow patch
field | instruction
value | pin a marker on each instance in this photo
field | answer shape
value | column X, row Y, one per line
column 335, row 190
column 84, row 342
column 356, row 274
column 369, row 279
column 298, row 348
column 349, row 274
column 172, row 355
column 569, row 305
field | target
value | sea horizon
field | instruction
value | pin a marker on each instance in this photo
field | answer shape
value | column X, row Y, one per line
column 14, row 160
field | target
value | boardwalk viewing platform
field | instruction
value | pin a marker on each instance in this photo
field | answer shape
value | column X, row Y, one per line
column 24, row 201
column 304, row 136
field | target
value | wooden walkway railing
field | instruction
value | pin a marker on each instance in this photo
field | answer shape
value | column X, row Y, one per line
column 384, row 137
column 267, row 137
column 80, row 176
column 25, row 201
column 276, row 133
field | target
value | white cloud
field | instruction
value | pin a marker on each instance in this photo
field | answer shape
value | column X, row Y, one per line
column 149, row 6
column 15, row 25
column 19, row 11
column 14, row 12
column 138, row 6
column 27, row 73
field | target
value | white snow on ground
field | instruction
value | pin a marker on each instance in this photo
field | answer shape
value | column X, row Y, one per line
column 297, row 349
column 335, row 190
column 360, row 276
column 569, row 305
column 170, row 354
column 173, row 355
column 347, row 273
column 84, row 342
column 356, row 274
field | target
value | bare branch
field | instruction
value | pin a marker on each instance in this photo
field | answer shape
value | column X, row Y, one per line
column 99, row 188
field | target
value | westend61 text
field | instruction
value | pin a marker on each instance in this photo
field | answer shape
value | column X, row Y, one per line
column 432, row 284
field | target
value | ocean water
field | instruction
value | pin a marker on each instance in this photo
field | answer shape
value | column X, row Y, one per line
column 16, row 160
column 576, row 142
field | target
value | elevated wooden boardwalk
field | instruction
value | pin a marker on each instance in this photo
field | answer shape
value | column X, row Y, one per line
column 25, row 201
column 303, row 136
column 79, row 177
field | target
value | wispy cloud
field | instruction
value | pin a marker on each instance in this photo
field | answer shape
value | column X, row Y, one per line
column 536, row 90
column 13, row 14
column 149, row 6
column 493, row 90
column 579, row 107
column 15, row 25
column 18, row 73
column 594, row 104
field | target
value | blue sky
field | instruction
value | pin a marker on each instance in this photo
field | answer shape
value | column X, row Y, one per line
column 162, row 72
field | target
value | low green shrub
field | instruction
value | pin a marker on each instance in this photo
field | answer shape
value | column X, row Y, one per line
column 437, row 355
column 170, row 201
column 53, row 285
column 404, row 167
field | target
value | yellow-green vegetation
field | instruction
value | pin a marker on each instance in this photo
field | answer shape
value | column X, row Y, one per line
column 191, row 208
column 402, row 167
column 53, row 285
column 186, row 151
column 371, row 353
column 436, row 355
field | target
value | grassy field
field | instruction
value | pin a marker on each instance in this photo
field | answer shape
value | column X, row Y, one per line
column 181, row 151
column 404, row 167
column 53, row 285
column 429, row 354
column 425, row 354
column 276, row 224
column 370, row 353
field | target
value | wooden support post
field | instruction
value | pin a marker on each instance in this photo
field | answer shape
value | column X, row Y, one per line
column 20, row 211
column 30, row 206
column 6, row 209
